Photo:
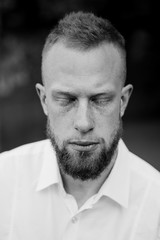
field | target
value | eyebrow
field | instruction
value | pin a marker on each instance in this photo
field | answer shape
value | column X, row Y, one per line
column 64, row 93
column 109, row 93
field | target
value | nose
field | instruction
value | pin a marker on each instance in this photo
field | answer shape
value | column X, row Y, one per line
column 83, row 121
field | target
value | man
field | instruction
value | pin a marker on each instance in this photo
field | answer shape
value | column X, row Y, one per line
column 85, row 185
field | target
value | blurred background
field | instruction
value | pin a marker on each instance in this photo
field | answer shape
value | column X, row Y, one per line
column 24, row 26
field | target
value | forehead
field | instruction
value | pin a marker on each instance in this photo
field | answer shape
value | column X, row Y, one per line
column 64, row 67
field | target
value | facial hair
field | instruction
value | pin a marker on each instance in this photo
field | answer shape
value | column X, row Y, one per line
column 85, row 165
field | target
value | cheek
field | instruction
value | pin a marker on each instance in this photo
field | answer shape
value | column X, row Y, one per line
column 107, row 121
column 60, row 122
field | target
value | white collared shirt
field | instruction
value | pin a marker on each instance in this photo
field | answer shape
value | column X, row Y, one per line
column 35, row 206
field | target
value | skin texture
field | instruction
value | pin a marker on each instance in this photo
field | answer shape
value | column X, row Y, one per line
column 84, row 99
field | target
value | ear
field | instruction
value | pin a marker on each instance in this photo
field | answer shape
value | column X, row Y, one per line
column 42, row 95
column 125, row 96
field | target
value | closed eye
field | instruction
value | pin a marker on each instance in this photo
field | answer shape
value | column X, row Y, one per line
column 65, row 101
column 63, row 98
column 101, row 100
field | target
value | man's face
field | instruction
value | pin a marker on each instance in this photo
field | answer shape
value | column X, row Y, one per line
column 84, row 100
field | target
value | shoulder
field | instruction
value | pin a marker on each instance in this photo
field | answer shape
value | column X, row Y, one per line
column 19, row 171
column 35, row 148
column 23, row 157
column 23, row 165
column 144, row 178
column 144, row 169
column 144, row 186
column 139, row 166
column 145, row 182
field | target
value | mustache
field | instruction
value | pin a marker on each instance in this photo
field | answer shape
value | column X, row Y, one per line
column 73, row 139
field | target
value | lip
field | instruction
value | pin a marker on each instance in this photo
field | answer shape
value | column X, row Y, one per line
column 84, row 145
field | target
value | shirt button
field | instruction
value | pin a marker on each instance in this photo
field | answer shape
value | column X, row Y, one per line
column 74, row 220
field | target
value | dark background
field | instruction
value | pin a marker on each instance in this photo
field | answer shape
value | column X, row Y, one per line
column 24, row 24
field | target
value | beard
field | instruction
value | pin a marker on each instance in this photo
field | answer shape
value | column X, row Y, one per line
column 85, row 165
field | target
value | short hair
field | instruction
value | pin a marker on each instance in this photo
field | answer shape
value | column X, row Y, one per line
column 84, row 31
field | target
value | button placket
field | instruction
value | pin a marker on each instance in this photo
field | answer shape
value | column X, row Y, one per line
column 71, row 232
column 74, row 219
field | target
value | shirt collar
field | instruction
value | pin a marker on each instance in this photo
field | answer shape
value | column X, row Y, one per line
column 117, row 185
column 49, row 173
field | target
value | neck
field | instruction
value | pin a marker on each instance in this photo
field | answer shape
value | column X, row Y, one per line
column 83, row 190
